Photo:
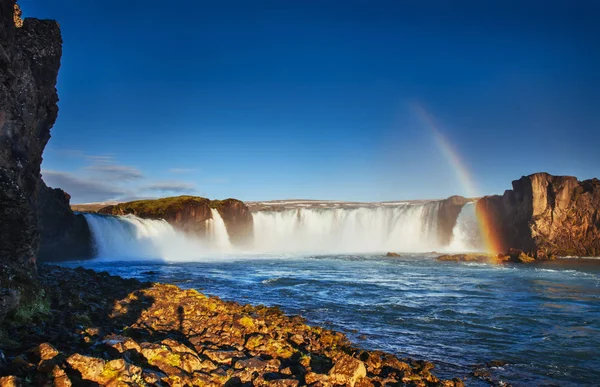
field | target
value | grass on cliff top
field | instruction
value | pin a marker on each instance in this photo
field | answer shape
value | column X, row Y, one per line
column 171, row 204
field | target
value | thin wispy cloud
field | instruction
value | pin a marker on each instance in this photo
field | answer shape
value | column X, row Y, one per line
column 116, row 171
column 82, row 189
column 216, row 180
column 100, row 159
column 102, row 178
column 181, row 171
column 171, row 187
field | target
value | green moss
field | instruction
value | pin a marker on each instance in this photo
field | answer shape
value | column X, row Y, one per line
column 109, row 373
column 159, row 207
column 247, row 322
column 33, row 306
column 173, row 359
column 220, row 204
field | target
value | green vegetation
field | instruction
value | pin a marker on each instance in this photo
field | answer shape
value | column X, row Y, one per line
column 157, row 207
column 160, row 208
column 33, row 304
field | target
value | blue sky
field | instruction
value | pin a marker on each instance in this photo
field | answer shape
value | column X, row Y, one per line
column 312, row 99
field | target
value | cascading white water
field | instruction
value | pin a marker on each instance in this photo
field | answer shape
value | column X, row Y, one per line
column 405, row 227
column 219, row 237
column 466, row 235
column 402, row 227
column 130, row 237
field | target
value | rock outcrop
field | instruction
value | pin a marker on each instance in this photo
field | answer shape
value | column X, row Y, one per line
column 30, row 52
column 546, row 215
column 512, row 256
column 447, row 216
column 64, row 235
column 190, row 214
column 237, row 218
column 106, row 330
column 186, row 213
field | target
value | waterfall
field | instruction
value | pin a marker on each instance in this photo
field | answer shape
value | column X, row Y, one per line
column 217, row 231
column 319, row 228
column 402, row 227
column 130, row 237
column 466, row 235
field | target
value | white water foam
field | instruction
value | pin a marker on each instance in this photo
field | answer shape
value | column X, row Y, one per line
column 217, row 231
column 132, row 238
column 406, row 227
column 466, row 236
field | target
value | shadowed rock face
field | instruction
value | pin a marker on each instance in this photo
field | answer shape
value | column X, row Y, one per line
column 237, row 218
column 546, row 215
column 447, row 216
column 29, row 63
column 63, row 234
column 190, row 213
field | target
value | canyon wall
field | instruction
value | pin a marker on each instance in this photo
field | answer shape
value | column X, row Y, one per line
column 30, row 52
column 547, row 215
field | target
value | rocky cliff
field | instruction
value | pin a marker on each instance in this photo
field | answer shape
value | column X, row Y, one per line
column 237, row 218
column 30, row 52
column 190, row 213
column 64, row 235
column 447, row 216
column 547, row 215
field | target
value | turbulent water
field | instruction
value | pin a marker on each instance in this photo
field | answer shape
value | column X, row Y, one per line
column 542, row 319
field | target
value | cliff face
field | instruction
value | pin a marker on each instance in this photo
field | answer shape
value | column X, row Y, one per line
column 190, row 213
column 447, row 216
column 547, row 215
column 63, row 234
column 187, row 213
column 237, row 218
column 29, row 63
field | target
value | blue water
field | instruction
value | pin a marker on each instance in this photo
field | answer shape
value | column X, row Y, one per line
column 542, row 319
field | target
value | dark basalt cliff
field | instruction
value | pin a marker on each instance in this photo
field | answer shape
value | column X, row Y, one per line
column 29, row 62
column 547, row 215
column 190, row 213
column 63, row 234
column 448, row 215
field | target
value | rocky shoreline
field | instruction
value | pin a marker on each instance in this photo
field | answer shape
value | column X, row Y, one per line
column 96, row 329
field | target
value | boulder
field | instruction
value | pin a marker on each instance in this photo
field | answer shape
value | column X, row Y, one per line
column 347, row 370
column 392, row 254
column 518, row 256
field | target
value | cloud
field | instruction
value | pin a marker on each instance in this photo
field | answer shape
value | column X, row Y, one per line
column 171, row 186
column 116, row 171
column 216, row 180
column 82, row 190
column 100, row 159
column 182, row 170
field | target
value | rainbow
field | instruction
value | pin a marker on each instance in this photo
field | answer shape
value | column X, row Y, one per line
column 491, row 239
